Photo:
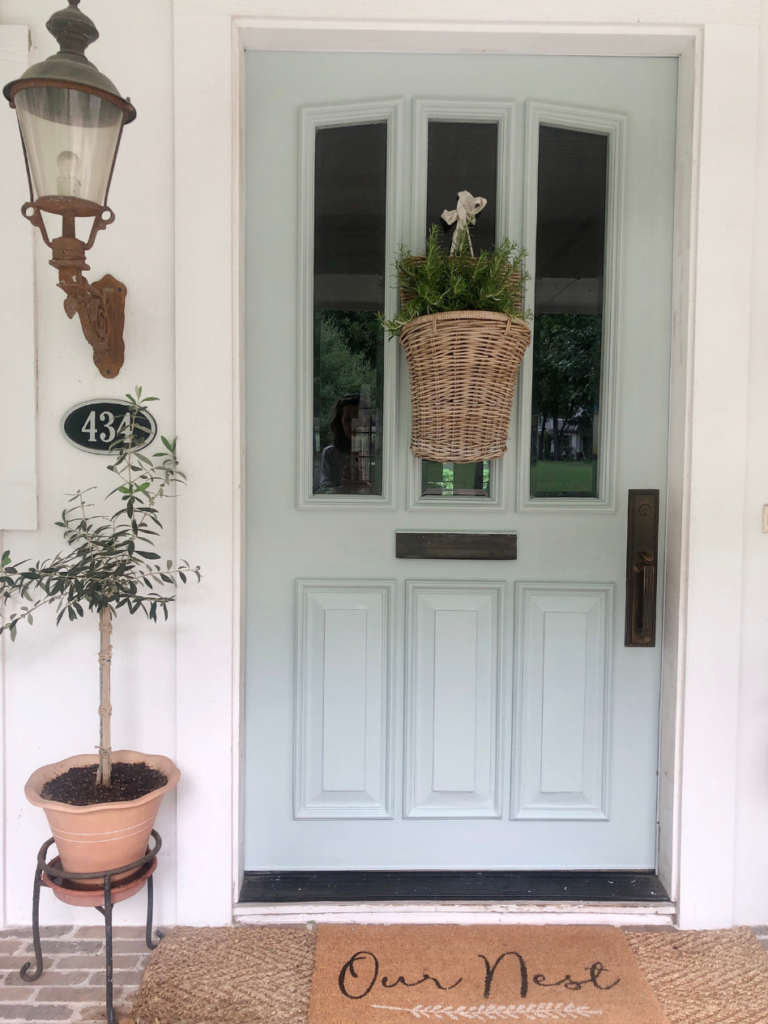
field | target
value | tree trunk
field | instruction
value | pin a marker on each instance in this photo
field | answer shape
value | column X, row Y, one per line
column 104, row 774
column 561, row 436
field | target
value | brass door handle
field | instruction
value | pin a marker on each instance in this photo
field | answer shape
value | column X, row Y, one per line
column 646, row 605
column 642, row 577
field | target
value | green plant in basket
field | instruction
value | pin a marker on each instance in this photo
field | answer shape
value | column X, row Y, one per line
column 445, row 282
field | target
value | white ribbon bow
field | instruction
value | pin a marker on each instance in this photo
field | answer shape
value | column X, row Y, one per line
column 463, row 216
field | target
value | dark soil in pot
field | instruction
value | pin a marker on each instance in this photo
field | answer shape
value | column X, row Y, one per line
column 78, row 788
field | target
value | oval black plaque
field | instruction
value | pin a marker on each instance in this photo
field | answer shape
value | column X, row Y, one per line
column 103, row 426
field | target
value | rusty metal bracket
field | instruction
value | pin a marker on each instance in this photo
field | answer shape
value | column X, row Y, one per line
column 100, row 306
column 642, row 569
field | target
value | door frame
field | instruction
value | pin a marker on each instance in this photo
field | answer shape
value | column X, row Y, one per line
column 716, row 154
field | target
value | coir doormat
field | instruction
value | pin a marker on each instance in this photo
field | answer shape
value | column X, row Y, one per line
column 248, row 975
column 399, row 974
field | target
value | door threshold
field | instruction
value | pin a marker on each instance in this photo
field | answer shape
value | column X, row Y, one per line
column 441, row 897
column 621, row 915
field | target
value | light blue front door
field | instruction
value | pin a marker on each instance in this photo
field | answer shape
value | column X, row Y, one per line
column 451, row 714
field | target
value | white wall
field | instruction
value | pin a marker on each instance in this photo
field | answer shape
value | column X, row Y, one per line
column 751, row 890
column 50, row 674
column 18, row 461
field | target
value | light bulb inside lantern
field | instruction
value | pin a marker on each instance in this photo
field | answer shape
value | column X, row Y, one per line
column 68, row 181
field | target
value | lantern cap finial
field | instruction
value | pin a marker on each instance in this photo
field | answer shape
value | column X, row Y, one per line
column 74, row 32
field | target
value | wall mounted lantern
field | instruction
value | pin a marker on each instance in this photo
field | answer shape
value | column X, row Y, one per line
column 71, row 118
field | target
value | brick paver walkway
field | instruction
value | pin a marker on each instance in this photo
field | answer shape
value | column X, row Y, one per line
column 72, row 985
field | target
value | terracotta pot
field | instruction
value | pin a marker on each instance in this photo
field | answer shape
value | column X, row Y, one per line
column 103, row 836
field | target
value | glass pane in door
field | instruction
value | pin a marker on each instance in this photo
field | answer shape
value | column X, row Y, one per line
column 456, row 479
column 570, row 257
column 461, row 155
column 349, row 274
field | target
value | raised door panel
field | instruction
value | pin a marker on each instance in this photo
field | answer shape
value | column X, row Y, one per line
column 452, row 700
column 563, row 658
column 343, row 726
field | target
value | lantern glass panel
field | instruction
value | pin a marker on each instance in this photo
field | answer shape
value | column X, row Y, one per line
column 71, row 138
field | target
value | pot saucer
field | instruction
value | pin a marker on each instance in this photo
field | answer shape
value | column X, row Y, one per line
column 78, row 894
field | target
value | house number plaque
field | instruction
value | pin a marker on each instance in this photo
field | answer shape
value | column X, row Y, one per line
column 103, row 426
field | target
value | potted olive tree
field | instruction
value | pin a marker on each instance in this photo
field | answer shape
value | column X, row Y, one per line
column 462, row 326
column 101, row 809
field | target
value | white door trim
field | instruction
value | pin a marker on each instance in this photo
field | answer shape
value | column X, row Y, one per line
column 718, row 98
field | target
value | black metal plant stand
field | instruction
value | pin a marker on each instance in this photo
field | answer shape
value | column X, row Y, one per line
column 56, row 872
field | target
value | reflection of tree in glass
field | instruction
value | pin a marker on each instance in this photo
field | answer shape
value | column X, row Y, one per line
column 347, row 354
column 566, row 378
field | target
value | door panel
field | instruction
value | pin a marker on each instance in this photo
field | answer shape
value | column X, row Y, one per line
column 343, row 715
column 453, row 677
column 405, row 714
column 563, row 691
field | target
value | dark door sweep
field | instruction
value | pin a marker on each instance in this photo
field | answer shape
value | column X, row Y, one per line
column 485, row 886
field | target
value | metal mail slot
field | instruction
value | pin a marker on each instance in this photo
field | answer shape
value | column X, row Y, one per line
column 468, row 546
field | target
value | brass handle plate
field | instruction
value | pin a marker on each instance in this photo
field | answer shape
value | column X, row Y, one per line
column 642, row 566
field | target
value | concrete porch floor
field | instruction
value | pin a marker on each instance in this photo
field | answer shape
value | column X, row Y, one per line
column 71, row 988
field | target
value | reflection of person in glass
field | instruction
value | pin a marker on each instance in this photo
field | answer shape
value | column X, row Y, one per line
column 345, row 465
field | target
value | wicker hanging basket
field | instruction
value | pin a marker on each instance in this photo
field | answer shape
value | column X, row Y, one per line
column 463, row 374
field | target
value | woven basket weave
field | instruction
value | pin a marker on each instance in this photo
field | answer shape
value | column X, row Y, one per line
column 463, row 375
